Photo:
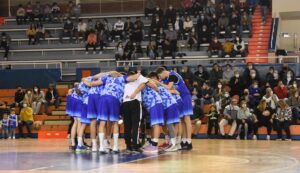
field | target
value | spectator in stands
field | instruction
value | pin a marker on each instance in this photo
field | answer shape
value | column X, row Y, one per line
column 102, row 40
column 234, row 22
column 213, row 116
column 92, row 26
column 19, row 97
column 161, row 36
column 236, row 84
column 263, row 117
column 228, row 48
column 38, row 11
column 40, row 33
column 91, row 42
column 128, row 27
column 207, row 96
column 219, row 92
column 202, row 21
column 47, row 11
column 265, row 4
column 192, row 39
column 283, row 72
column 52, row 97
column 247, row 75
column 178, row 25
column 137, row 34
column 81, row 30
column 139, row 23
column 254, row 91
column 239, row 47
column 171, row 36
column 186, row 5
column 38, row 98
column 118, row 29
column 150, row 7
column 245, row 23
column 26, row 118
column 216, row 74
column 55, row 12
column 28, row 98
column 271, row 99
column 138, row 51
column 270, row 74
column 31, row 34
column 281, row 90
column 20, row 15
column 188, row 25
column 152, row 48
column 69, row 10
column 67, row 31
column 76, row 11
column 158, row 12
column 283, row 120
column 230, row 116
column 128, row 50
column 170, row 14
column 215, row 48
column 249, row 99
column 294, row 102
column 289, row 78
column 243, row 120
column 213, row 26
column 155, row 25
column 223, row 25
column 167, row 50
column 274, row 81
column 228, row 73
column 204, row 36
column 4, row 109
column 196, row 117
column 201, row 75
column 5, row 44
column 29, row 12
column 119, row 51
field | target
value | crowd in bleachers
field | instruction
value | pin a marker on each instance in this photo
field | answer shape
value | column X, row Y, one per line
column 195, row 23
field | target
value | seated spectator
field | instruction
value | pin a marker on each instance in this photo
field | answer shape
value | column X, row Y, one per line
column 170, row 14
column 216, row 74
column 29, row 12
column 236, row 84
column 150, row 7
column 255, row 91
column 283, row 72
column 294, row 102
column 289, row 78
column 20, row 15
column 81, row 30
column 186, row 5
column 91, row 25
column 38, row 11
column 136, row 34
column 47, row 13
column 139, row 23
column 204, row 36
column 155, row 25
column 188, row 25
column 201, row 75
column 223, row 25
column 270, row 74
column 28, row 98
column 178, row 25
column 274, row 81
column 91, row 42
column 76, row 11
column 128, row 50
column 246, row 73
column 281, row 90
column 137, row 51
column 228, row 48
column 283, row 120
column 192, row 40
column 225, row 100
column 38, row 98
column 239, row 47
column 234, row 22
column 5, row 43
column 158, row 12
column 19, row 97
column 207, row 96
column 215, row 48
column 119, row 51
column 69, row 10
column 202, row 21
column 213, row 116
column 118, row 29
column 26, row 118
column 249, row 99
column 263, row 117
column 230, row 116
column 167, row 49
column 196, row 117
column 40, row 33
column 68, row 31
column 246, row 23
column 213, row 26
column 244, row 120
column 55, row 12
column 252, row 77
column 271, row 99
column 228, row 73
column 128, row 27
column 52, row 98
column 152, row 50
column 219, row 92
column 31, row 34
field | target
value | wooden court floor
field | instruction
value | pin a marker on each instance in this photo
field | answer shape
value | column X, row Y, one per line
column 208, row 156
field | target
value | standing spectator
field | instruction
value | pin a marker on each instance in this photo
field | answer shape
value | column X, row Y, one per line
column 81, row 30
column 283, row 72
column 20, row 15
column 281, row 90
column 215, row 48
column 236, row 84
column 171, row 36
column 216, row 74
column 29, row 12
column 28, row 98
column 38, row 98
column 196, row 117
column 228, row 73
column 67, row 31
column 91, row 42
column 12, row 123
column 265, row 4
column 55, row 12
column 119, row 51
column 243, row 120
column 270, row 74
column 40, row 33
column 201, row 75
column 202, row 21
column 263, row 117
column 38, row 11
column 230, row 116
column 246, row 23
column 186, row 5
column 31, row 34
column 204, row 36
column 283, row 117
column 26, row 118
column 52, row 97
column 150, row 7
column 228, row 48
column 5, row 126
column 118, row 29
column 5, row 43
column 239, row 47
column 137, row 34
column 213, row 116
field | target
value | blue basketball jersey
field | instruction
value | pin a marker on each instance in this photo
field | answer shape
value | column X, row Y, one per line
column 85, row 90
column 180, row 85
column 4, row 123
column 167, row 98
column 114, row 87
column 150, row 98
column 12, row 121
column 177, row 98
column 98, row 89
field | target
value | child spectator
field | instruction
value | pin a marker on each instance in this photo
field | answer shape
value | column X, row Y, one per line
column 243, row 119
column 26, row 118
column 31, row 34
column 255, row 91
column 213, row 116
column 5, row 126
column 13, row 124
column 91, row 42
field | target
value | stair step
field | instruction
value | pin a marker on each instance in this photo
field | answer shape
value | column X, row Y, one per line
column 57, row 122
column 254, row 47
column 257, row 60
column 58, row 112
column 63, row 103
column 54, row 128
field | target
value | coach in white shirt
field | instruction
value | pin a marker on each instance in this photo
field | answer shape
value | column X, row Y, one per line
column 132, row 111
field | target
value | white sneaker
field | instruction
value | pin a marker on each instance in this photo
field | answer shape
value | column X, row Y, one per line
column 94, row 53
column 9, row 137
column 268, row 137
column 103, row 151
column 238, row 137
column 86, row 53
column 254, row 137
column 178, row 146
column 172, row 148
column 14, row 137
column 100, row 53
column 94, row 148
column 245, row 138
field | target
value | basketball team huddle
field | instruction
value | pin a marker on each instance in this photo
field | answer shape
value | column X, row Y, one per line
column 108, row 99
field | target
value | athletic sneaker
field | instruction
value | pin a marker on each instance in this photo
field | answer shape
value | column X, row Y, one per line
column 104, row 151
column 81, row 149
column 189, row 146
column 94, row 148
column 184, row 146
column 171, row 148
column 254, row 137
column 136, row 151
column 268, row 137
column 178, row 146
column 288, row 139
column 146, row 145
column 164, row 146
column 116, row 151
column 238, row 137
column 151, row 149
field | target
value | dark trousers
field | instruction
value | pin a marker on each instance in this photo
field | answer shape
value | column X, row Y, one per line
column 267, row 124
column 47, row 104
column 283, row 125
column 27, row 124
column 132, row 117
column 6, row 48
column 90, row 45
column 211, row 124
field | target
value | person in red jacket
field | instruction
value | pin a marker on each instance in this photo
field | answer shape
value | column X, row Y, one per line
column 281, row 90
